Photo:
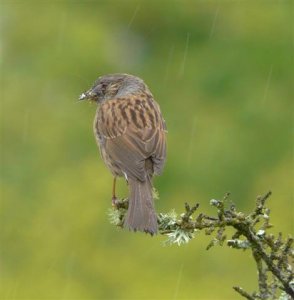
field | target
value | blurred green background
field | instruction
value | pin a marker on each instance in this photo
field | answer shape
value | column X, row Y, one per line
column 222, row 72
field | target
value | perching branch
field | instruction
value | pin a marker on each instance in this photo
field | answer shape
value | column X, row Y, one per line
column 271, row 254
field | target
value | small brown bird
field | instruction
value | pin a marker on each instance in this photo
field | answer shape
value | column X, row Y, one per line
column 131, row 134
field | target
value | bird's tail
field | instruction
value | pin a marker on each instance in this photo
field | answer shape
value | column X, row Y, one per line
column 141, row 215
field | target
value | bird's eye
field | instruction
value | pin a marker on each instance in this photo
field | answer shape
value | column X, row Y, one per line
column 103, row 87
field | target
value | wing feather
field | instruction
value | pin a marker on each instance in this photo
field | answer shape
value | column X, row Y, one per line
column 133, row 131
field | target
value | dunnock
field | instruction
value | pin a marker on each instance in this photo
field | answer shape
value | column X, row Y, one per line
column 131, row 134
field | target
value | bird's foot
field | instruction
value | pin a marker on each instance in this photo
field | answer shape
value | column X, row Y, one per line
column 114, row 202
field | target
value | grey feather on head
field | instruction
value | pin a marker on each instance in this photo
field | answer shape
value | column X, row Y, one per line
column 114, row 86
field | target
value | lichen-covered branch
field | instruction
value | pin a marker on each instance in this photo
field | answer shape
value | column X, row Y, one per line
column 271, row 254
column 243, row 293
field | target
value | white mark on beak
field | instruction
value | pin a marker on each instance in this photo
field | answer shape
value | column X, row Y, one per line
column 82, row 96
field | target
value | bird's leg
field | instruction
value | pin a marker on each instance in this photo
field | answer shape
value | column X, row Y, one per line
column 113, row 192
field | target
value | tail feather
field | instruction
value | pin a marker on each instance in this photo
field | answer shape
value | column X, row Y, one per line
column 141, row 215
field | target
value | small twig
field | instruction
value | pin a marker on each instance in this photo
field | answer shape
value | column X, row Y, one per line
column 268, row 261
column 285, row 252
column 260, row 202
column 262, row 278
column 189, row 211
column 243, row 293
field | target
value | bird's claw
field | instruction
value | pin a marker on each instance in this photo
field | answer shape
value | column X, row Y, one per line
column 114, row 202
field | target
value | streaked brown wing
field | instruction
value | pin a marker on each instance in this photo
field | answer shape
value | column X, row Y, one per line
column 134, row 130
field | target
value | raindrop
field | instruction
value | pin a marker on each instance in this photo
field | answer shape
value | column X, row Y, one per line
column 178, row 282
column 170, row 56
column 133, row 16
column 268, row 82
column 182, row 69
column 212, row 29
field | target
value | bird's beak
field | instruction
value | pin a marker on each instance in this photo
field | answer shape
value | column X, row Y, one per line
column 83, row 96
column 88, row 95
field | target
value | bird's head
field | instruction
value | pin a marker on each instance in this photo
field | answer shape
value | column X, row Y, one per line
column 112, row 86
